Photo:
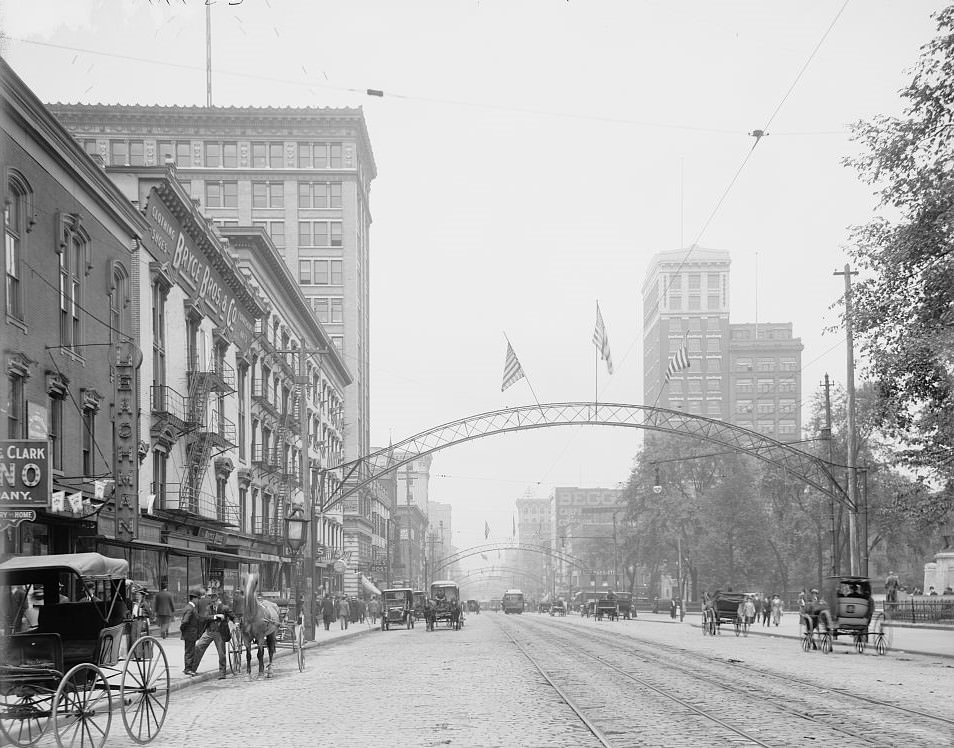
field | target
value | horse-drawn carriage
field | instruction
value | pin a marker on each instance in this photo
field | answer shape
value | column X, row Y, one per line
column 445, row 605
column 558, row 608
column 723, row 607
column 397, row 608
column 606, row 606
column 845, row 608
column 626, row 605
column 69, row 644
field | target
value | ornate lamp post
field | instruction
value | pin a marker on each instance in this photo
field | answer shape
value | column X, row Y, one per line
column 296, row 535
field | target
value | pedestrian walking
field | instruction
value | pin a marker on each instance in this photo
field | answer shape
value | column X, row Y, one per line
column 344, row 613
column 891, row 585
column 672, row 608
column 216, row 630
column 374, row 610
column 328, row 612
column 776, row 609
column 766, row 610
column 165, row 609
column 189, row 632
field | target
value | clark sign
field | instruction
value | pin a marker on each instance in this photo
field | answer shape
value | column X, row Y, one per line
column 24, row 480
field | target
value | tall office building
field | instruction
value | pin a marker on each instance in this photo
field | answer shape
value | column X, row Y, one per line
column 302, row 174
column 748, row 374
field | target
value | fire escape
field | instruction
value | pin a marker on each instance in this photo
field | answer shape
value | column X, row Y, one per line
column 208, row 385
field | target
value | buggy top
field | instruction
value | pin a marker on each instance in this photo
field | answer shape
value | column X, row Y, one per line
column 24, row 569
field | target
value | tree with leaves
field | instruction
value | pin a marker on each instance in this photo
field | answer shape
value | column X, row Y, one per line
column 902, row 306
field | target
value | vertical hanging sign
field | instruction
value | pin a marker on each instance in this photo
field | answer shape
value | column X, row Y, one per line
column 126, row 449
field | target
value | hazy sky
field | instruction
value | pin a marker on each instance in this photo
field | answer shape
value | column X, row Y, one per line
column 532, row 157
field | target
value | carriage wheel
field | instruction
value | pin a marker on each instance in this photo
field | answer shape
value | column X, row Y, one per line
column 24, row 719
column 144, row 690
column 881, row 646
column 806, row 641
column 860, row 643
column 235, row 652
column 82, row 708
column 300, row 648
column 826, row 642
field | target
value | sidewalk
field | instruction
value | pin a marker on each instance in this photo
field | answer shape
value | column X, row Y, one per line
column 208, row 669
column 931, row 641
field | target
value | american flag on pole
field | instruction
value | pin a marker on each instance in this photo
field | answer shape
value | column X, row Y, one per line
column 486, row 530
column 679, row 360
column 512, row 369
column 601, row 340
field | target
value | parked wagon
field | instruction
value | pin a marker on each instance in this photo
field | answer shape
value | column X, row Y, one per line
column 606, row 606
column 846, row 608
column 69, row 645
column 445, row 605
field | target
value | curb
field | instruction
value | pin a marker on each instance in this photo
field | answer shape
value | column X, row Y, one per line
column 280, row 652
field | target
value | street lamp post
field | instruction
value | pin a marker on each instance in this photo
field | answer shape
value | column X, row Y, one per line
column 296, row 535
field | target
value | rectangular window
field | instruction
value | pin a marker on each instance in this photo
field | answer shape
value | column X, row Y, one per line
column 786, row 385
column 712, row 302
column 183, row 153
column 89, row 439
column 694, row 281
column 766, row 385
column 322, row 277
column 786, row 407
column 259, row 156
column 713, row 281
column 320, row 152
column 304, row 272
column 788, row 364
column 213, row 155
column 334, row 196
column 242, row 379
column 213, row 194
column 743, row 406
column 786, row 427
column 335, row 233
column 275, row 229
column 90, row 147
column 336, row 272
column 743, row 364
column 694, row 303
column 713, row 384
column 744, row 385
column 322, row 307
column 304, row 156
column 71, row 261
column 306, row 194
column 268, row 194
column 335, row 157
column 118, row 153
column 56, row 432
column 230, row 155
column 338, row 342
column 714, row 365
column 765, row 408
column 15, row 407
column 137, row 153
column 276, row 155
column 230, row 194
column 337, row 309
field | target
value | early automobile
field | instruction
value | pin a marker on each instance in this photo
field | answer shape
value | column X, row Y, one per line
column 397, row 608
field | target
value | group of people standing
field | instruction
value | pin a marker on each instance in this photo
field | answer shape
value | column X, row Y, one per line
column 345, row 610
column 205, row 620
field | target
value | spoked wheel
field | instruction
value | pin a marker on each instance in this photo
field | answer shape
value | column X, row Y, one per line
column 860, row 643
column 82, row 708
column 144, row 690
column 300, row 648
column 806, row 642
column 881, row 646
column 826, row 643
column 25, row 719
column 235, row 653
column 882, row 634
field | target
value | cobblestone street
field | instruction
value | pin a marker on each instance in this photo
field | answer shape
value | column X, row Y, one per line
column 474, row 687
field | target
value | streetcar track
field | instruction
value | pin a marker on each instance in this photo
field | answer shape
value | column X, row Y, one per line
column 662, row 692
column 795, row 680
column 817, row 717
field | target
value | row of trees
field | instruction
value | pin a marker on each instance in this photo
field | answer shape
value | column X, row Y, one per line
column 742, row 523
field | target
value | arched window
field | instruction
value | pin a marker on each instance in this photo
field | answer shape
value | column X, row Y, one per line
column 17, row 218
column 118, row 304
column 73, row 251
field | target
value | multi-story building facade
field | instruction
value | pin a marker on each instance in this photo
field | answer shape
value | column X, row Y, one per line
column 534, row 527
column 301, row 174
column 686, row 302
column 583, row 528
column 765, row 379
column 409, row 522
column 440, row 536
column 68, row 338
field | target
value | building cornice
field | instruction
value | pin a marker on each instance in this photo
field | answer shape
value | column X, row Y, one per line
column 54, row 138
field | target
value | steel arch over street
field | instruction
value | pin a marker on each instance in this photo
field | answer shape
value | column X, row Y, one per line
column 475, row 550
column 496, row 573
column 351, row 477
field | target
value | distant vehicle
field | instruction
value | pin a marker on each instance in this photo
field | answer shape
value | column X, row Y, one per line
column 512, row 602
column 419, row 597
column 496, row 605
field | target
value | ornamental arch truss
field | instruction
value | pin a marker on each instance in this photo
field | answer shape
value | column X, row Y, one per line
column 481, row 550
column 351, row 477
column 496, row 574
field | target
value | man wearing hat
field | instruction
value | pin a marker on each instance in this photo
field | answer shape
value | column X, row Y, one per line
column 189, row 631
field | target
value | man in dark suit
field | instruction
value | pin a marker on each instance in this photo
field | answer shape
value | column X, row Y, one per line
column 189, row 631
column 165, row 609
column 216, row 630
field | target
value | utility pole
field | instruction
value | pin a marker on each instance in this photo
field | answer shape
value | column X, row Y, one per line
column 826, row 435
column 853, row 533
